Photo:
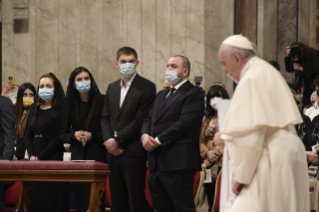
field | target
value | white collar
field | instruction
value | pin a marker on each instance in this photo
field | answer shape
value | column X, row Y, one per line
column 129, row 83
column 179, row 84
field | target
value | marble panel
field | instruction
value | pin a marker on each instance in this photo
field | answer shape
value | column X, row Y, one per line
column 113, row 39
column 178, row 27
column 8, row 46
column 195, row 44
column 163, row 42
column 89, row 28
column 267, row 29
column 287, row 32
column 47, row 38
column 148, row 56
column 246, row 19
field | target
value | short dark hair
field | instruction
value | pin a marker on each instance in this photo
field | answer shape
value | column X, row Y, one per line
column 186, row 63
column 316, row 81
column 127, row 51
column 216, row 90
column 274, row 64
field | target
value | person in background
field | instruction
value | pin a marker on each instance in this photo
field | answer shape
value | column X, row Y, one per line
column 170, row 134
column 44, row 143
column 209, row 152
column 127, row 104
column 82, row 112
column 166, row 85
column 277, row 66
column 314, row 97
column 307, row 68
column 25, row 100
column 7, row 138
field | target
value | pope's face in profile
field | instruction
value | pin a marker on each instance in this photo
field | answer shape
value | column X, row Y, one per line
column 231, row 63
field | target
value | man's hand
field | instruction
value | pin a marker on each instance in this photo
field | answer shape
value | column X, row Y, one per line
column 149, row 143
column 237, row 187
column 297, row 67
column 37, row 159
column 111, row 145
column 219, row 142
column 118, row 151
column 32, row 158
column 212, row 156
column 287, row 51
column 312, row 157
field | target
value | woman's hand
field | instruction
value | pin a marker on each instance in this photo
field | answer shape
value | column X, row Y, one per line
column 37, row 159
column 8, row 88
column 87, row 135
column 219, row 142
column 312, row 157
column 298, row 67
column 212, row 156
column 287, row 51
column 204, row 168
column 32, row 158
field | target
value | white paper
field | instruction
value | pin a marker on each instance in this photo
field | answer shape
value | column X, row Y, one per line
column 13, row 97
column 208, row 176
column 226, row 195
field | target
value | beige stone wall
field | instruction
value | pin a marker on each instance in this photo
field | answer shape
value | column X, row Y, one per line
column 64, row 34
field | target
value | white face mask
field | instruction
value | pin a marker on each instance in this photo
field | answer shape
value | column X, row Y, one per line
column 214, row 102
column 232, row 78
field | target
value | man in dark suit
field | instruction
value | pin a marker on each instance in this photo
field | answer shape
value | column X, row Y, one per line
column 171, row 136
column 7, row 137
column 127, row 103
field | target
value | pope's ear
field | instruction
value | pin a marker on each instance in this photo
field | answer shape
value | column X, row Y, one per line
column 237, row 58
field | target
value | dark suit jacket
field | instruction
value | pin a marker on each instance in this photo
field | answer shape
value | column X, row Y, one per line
column 177, row 125
column 94, row 149
column 7, row 129
column 127, row 121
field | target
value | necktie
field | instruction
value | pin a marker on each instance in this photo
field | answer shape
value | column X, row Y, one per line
column 171, row 92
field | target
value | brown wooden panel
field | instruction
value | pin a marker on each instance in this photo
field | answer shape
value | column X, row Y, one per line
column 246, row 18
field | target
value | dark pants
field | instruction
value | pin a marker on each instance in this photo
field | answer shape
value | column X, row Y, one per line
column 127, row 184
column 172, row 191
column 2, row 195
column 210, row 194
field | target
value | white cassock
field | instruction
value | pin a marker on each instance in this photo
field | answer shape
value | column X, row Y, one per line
column 265, row 152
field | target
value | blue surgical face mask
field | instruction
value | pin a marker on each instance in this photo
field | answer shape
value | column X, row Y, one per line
column 171, row 77
column 83, row 86
column 46, row 93
column 127, row 69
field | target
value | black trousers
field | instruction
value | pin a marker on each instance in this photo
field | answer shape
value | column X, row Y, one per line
column 127, row 184
column 2, row 195
column 172, row 191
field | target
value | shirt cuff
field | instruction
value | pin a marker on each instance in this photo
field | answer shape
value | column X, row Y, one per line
column 158, row 141
column 115, row 134
column 142, row 137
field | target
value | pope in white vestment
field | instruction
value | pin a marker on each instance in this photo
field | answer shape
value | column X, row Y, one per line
column 267, row 158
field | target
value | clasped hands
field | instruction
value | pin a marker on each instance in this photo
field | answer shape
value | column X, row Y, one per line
column 83, row 136
column 32, row 158
column 113, row 147
column 149, row 143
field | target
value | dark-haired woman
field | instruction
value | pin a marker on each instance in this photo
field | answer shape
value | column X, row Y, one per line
column 83, row 109
column 306, row 70
column 44, row 143
column 25, row 100
column 210, row 154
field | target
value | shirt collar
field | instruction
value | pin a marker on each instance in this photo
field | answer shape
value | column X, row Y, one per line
column 179, row 84
column 129, row 83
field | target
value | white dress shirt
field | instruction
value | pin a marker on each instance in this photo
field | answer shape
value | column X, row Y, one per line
column 312, row 111
column 176, row 87
column 124, row 89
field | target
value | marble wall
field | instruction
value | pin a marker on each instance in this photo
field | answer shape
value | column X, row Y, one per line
column 65, row 34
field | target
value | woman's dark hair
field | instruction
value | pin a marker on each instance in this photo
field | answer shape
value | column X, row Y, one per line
column 76, row 95
column 20, row 126
column 216, row 90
